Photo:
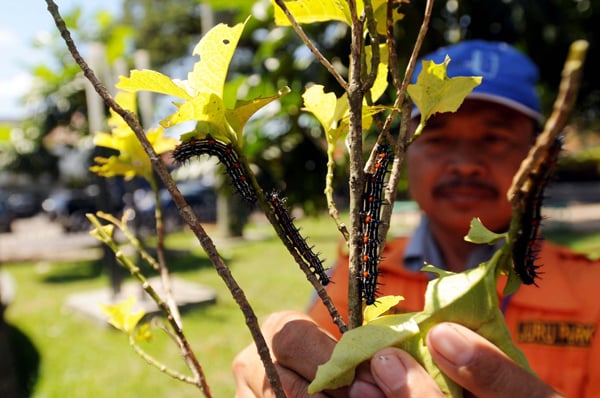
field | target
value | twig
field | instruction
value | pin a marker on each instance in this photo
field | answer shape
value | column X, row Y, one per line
column 406, row 105
column 569, row 86
column 357, row 175
column 308, row 43
column 368, row 81
column 190, row 357
column 331, row 206
column 269, row 213
column 185, row 210
column 153, row 362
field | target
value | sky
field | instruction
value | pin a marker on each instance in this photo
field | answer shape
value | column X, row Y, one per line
column 21, row 21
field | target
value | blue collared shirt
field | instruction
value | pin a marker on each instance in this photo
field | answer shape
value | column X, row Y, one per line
column 422, row 249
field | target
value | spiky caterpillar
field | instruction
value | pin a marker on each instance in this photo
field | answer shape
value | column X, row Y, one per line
column 298, row 241
column 525, row 245
column 226, row 155
column 370, row 213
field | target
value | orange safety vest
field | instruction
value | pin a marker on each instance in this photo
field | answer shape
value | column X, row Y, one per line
column 555, row 323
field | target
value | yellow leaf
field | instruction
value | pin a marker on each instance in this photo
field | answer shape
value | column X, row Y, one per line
column 143, row 333
column 121, row 315
column 132, row 160
column 309, row 11
column 238, row 117
column 434, row 92
column 382, row 305
column 215, row 50
column 381, row 81
column 149, row 80
column 322, row 105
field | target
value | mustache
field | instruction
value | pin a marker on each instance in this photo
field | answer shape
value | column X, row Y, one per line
column 471, row 183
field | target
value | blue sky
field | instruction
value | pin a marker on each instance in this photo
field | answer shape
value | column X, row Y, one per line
column 21, row 21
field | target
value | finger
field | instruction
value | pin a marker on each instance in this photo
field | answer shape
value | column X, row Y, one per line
column 295, row 386
column 300, row 345
column 479, row 366
column 249, row 374
column 398, row 375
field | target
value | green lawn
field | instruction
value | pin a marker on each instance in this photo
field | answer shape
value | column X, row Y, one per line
column 80, row 358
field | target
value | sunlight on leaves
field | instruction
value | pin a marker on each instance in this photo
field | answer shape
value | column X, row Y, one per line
column 132, row 161
column 311, row 11
column 202, row 94
column 434, row 92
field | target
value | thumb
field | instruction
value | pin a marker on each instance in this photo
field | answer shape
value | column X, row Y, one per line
column 398, row 375
column 479, row 366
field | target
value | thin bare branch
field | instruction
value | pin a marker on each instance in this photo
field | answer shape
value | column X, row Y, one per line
column 569, row 86
column 184, row 208
column 406, row 107
column 357, row 175
column 308, row 43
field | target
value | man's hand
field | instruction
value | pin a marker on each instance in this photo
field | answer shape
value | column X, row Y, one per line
column 298, row 346
column 466, row 357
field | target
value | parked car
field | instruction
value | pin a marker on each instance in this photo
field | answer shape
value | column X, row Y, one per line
column 23, row 204
column 68, row 207
column 6, row 216
column 201, row 198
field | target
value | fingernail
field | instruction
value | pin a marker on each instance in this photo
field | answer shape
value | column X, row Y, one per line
column 389, row 370
column 451, row 344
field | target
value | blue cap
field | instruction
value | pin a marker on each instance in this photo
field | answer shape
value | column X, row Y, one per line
column 509, row 77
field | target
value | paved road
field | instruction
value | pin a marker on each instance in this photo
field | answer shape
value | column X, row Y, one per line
column 37, row 238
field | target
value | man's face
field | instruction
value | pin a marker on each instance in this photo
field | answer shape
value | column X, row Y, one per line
column 463, row 163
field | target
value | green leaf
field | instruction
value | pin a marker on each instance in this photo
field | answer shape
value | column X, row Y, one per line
column 434, row 92
column 479, row 234
column 468, row 298
column 358, row 345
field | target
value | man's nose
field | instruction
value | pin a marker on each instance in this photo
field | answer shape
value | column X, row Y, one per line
column 466, row 159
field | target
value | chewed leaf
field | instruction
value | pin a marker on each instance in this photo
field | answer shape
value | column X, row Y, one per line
column 479, row 234
column 358, row 345
column 435, row 92
column 382, row 305
column 215, row 49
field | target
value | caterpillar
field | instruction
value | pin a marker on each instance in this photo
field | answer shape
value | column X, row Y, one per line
column 226, row 154
column 526, row 244
column 292, row 233
column 370, row 213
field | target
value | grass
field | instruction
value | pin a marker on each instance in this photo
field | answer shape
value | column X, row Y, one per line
column 80, row 358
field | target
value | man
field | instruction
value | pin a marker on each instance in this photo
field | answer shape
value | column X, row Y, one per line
column 460, row 168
